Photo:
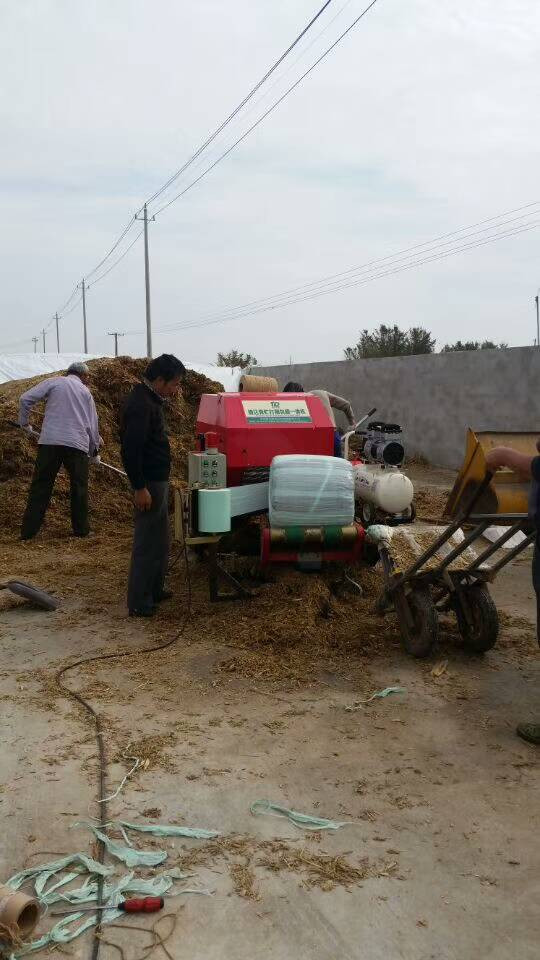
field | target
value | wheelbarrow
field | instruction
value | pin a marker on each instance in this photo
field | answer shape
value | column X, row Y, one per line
column 420, row 594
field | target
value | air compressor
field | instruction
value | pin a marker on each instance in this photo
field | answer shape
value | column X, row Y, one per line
column 381, row 488
column 380, row 485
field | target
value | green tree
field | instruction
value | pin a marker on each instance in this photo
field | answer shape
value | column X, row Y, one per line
column 234, row 358
column 391, row 342
column 420, row 341
column 461, row 345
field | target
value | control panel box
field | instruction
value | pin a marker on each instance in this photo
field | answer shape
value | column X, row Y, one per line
column 207, row 471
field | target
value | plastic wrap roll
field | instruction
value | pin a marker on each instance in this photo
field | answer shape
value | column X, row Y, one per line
column 214, row 511
column 252, row 384
column 308, row 491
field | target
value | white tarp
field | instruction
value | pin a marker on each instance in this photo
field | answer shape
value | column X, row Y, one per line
column 21, row 366
column 493, row 534
column 228, row 376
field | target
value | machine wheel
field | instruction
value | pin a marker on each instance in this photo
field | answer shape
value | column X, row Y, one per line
column 420, row 639
column 369, row 513
column 482, row 634
column 398, row 519
column 410, row 513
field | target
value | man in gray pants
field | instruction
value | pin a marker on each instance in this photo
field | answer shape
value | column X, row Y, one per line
column 146, row 455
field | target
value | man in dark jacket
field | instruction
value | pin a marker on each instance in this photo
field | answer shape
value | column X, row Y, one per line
column 528, row 468
column 146, row 455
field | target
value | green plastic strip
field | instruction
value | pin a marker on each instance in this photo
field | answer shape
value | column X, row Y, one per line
column 167, row 830
column 301, row 820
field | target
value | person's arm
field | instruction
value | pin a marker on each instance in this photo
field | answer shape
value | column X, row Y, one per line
column 522, row 463
column 135, row 426
column 93, row 428
column 31, row 397
column 339, row 403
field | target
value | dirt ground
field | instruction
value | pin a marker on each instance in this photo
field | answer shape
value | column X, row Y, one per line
column 440, row 857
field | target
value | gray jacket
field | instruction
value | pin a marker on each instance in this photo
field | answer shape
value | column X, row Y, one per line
column 332, row 403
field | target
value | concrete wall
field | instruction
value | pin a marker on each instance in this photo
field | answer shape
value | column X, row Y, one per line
column 435, row 397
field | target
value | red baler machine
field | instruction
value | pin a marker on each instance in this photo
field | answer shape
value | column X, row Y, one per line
column 253, row 428
column 238, row 436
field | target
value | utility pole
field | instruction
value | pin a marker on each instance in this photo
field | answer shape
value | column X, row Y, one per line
column 83, row 287
column 35, row 341
column 43, row 335
column 537, row 322
column 115, row 335
column 57, row 333
column 147, row 282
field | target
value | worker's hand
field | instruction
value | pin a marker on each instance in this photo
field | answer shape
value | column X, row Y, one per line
column 142, row 499
column 95, row 458
column 29, row 430
column 498, row 457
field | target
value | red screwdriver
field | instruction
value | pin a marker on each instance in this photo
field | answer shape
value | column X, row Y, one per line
column 134, row 905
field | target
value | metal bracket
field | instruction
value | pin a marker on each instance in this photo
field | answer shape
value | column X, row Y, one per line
column 217, row 572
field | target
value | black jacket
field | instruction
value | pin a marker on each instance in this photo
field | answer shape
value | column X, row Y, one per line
column 146, row 452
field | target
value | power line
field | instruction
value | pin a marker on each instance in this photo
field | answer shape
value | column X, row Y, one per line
column 78, row 289
column 68, row 301
column 269, row 110
column 237, row 109
column 116, row 262
column 426, row 247
column 203, row 146
column 114, row 247
column 89, row 274
column 202, row 159
column 390, row 270
column 75, row 305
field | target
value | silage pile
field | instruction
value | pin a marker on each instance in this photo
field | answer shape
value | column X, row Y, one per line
column 110, row 504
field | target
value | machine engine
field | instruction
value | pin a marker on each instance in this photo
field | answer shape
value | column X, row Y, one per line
column 382, row 444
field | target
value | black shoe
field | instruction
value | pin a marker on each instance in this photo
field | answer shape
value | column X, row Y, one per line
column 164, row 595
column 142, row 612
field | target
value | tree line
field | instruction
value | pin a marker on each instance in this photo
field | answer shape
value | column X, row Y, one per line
column 382, row 342
column 393, row 342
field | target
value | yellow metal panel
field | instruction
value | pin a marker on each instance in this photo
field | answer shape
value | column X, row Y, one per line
column 507, row 492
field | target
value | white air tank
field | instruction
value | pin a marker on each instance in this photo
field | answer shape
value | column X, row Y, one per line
column 389, row 490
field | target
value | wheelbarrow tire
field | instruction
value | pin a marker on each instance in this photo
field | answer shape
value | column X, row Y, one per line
column 482, row 635
column 420, row 641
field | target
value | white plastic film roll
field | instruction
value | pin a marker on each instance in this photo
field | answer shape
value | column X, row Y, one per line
column 214, row 511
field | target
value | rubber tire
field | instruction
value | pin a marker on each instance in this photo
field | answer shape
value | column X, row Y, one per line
column 426, row 634
column 484, row 635
column 369, row 513
column 412, row 512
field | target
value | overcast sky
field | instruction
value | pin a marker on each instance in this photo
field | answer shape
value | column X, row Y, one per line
column 424, row 120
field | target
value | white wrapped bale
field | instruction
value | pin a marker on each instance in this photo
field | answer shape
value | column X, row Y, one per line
column 308, row 491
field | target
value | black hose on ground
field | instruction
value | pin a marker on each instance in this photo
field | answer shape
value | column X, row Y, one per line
column 96, row 719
